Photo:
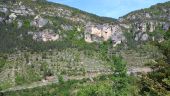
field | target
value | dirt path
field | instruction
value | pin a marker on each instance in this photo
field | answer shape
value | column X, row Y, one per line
column 13, row 75
column 135, row 70
column 132, row 70
column 30, row 86
column 55, row 81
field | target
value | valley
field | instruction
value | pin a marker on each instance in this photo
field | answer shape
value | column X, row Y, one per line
column 50, row 49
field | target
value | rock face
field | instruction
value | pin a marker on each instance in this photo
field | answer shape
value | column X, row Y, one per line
column 151, row 26
column 45, row 35
column 142, row 29
column 104, row 32
column 20, row 24
column 12, row 16
column 145, row 26
column 139, row 23
column 166, row 26
column 117, row 38
column 39, row 22
column 1, row 19
column 66, row 27
column 144, row 37
column 22, row 10
column 4, row 10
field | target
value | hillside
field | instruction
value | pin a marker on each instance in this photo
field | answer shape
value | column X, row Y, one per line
column 68, row 52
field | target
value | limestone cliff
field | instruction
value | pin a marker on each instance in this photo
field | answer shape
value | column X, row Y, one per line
column 40, row 15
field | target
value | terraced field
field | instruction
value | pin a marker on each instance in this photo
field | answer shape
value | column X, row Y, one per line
column 25, row 68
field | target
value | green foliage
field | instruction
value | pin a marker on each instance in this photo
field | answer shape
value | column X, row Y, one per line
column 120, row 85
column 112, row 85
column 157, row 82
column 130, row 40
column 116, row 87
column 167, row 35
column 8, row 1
column 6, row 84
column 120, row 67
column 60, row 79
column 2, row 14
column 166, row 81
column 50, row 90
column 26, row 24
column 2, row 63
column 157, row 33
column 12, row 39
column 99, row 89
column 165, row 47
column 48, row 72
column 30, row 75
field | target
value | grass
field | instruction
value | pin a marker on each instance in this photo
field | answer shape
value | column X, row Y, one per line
column 71, row 63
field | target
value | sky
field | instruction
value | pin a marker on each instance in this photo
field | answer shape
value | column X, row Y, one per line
column 109, row 8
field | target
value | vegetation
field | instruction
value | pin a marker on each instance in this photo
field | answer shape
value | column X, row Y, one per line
column 72, row 67
column 157, row 82
column 112, row 85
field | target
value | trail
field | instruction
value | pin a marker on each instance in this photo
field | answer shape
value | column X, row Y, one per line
column 133, row 70
column 45, row 83
column 29, row 86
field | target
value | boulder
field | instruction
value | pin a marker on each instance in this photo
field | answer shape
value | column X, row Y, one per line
column 147, row 15
column 144, row 37
column 45, row 35
column 22, row 10
column 39, row 22
column 117, row 38
column 141, row 36
column 166, row 26
column 141, row 27
column 137, row 36
column 66, row 27
column 17, row 11
column 151, row 26
column 1, row 19
column 4, row 10
column 12, row 16
column 20, row 24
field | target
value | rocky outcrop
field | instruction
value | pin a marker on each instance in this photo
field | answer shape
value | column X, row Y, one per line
column 103, row 32
column 12, row 16
column 166, row 26
column 22, row 10
column 152, row 26
column 117, row 38
column 142, row 29
column 20, row 23
column 138, row 23
column 4, row 10
column 66, row 27
column 45, row 35
column 1, row 19
column 145, row 26
column 141, row 37
column 39, row 21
